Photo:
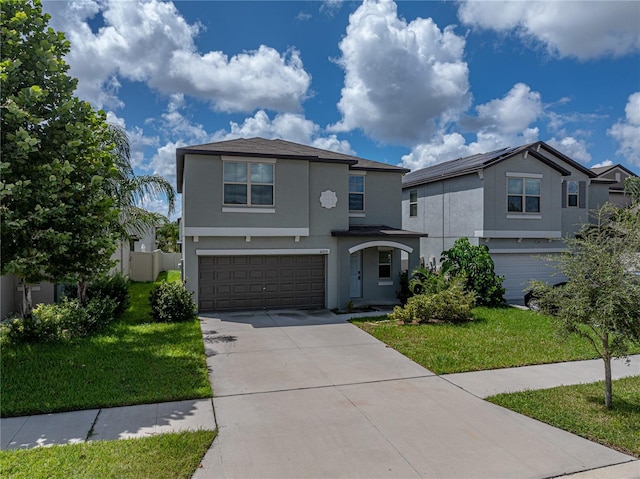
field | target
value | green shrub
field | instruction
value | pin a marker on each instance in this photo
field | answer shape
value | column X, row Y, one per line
column 452, row 304
column 171, row 302
column 115, row 287
column 427, row 281
column 476, row 264
column 61, row 322
column 404, row 293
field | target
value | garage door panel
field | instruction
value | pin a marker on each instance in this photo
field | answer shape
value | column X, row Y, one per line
column 258, row 282
column 519, row 269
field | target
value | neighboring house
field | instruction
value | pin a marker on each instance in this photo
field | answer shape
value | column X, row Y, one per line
column 274, row 224
column 520, row 202
column 617, row 174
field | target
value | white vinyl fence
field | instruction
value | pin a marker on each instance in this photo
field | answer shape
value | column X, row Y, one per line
column 146, row 266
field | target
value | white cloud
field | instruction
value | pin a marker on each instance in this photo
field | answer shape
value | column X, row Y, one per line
column 581, row 29
column 151, row 42
column 401, row 79
column 499, row 123
column 574, row 148
column 627, row 131
column 508, row 115
column 287, row 126
column 604, row 163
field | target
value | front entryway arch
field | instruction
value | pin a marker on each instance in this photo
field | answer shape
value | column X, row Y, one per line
column 378, row 244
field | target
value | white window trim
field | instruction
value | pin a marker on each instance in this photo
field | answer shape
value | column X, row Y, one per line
column 411, row 203
column 359, row 213
column 577, row 194
column 247, row 209
column 247, row 161
column 385, row 279
column 512, row 174
column 524, row 195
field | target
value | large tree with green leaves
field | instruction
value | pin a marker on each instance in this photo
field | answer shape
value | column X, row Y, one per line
column 601, row 300
column 57, row 214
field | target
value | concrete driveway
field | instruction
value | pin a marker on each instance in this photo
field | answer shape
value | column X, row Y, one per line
column 309, row 395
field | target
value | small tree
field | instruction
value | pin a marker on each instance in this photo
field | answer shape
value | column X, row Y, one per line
column 476, row 264
column 167, row 237
column 601, row 300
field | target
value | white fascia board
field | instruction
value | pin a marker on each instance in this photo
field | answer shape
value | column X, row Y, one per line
column 260, row 252
column 240, row 231
column 517, row 234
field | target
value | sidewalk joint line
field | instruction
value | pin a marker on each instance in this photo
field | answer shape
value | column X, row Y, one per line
column 325, row 386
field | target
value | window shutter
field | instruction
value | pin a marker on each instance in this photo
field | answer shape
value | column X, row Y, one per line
column 564, row 194
column 582, row 193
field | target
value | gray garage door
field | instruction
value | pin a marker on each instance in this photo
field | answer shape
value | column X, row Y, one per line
column 260, row 282
column 519, row 269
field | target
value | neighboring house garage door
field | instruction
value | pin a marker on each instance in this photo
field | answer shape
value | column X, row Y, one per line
column 260, row 282
column 519, row 269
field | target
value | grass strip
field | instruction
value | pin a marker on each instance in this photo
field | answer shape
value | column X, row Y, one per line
column 170, row 456
column 496, row 338
column 134, row 361
column 580, row 409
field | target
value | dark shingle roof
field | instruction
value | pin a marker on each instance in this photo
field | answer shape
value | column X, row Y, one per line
column 475, row 163
column 377, row 231
column 263, row 148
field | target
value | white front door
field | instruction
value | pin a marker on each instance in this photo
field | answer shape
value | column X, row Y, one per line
column 355, row 290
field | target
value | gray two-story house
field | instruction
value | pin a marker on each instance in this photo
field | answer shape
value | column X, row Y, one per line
column 270, row 224
column 520, row 202
column 617, row 174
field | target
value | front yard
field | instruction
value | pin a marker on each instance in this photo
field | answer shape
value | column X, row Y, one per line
column 496, row 338
column 510, row 337
column 134, row 361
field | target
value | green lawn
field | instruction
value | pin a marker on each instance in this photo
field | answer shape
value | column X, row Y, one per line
column 496, row 338
column 170, row 456
column 134, row 361
column 580, row 409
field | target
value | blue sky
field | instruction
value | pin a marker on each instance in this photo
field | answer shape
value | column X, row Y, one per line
column 409, row 83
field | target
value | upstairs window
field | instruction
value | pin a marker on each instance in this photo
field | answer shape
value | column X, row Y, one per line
column 249, row 184
column 572, row 194
column 356, row 193
column 523, row 195
column 413, row 203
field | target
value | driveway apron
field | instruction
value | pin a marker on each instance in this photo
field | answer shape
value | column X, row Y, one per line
column 307, row 394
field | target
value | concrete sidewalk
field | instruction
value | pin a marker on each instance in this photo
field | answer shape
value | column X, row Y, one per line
column 105, row 424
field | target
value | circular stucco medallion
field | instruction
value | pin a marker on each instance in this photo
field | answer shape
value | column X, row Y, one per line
column 328, row 199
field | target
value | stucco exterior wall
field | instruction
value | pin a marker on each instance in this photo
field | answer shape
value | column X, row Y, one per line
column 383, row 200
column 447, row 210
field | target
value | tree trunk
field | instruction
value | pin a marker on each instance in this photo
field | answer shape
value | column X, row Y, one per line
column 27, row 302
column 82, row 292
column 607, row 371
